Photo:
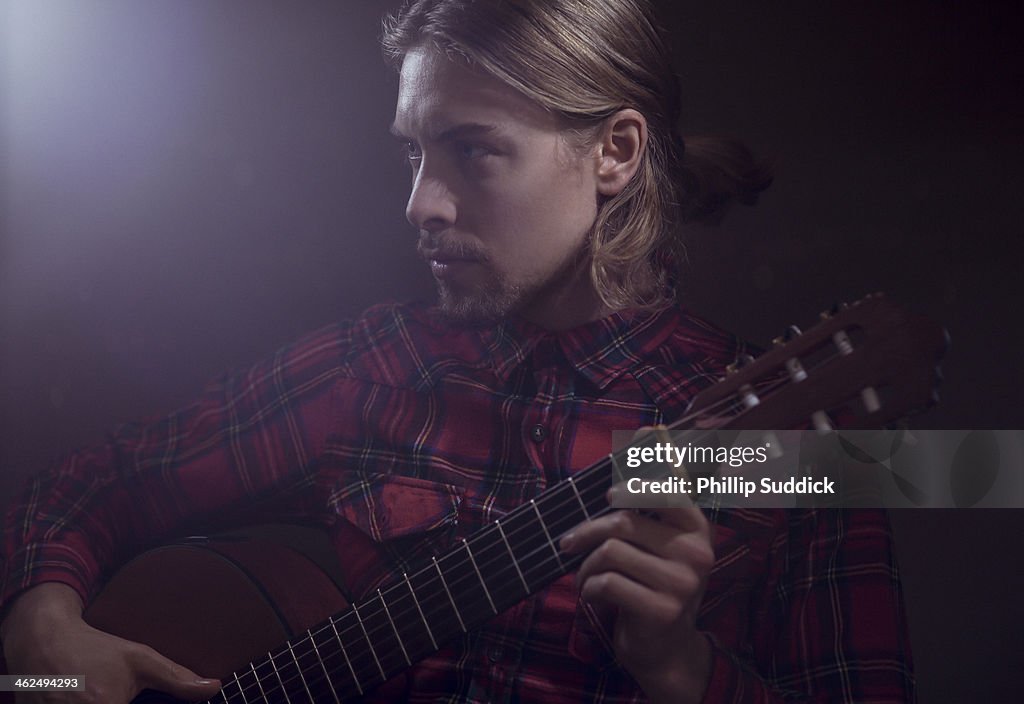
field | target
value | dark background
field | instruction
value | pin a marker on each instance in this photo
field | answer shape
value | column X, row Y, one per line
column 188, row 185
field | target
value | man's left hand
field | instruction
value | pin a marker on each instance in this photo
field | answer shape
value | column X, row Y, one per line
column 652, row 570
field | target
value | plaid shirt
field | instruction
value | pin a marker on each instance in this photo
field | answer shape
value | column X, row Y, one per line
column 401, row 435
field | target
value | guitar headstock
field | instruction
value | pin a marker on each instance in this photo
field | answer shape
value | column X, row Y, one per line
column 865, row 365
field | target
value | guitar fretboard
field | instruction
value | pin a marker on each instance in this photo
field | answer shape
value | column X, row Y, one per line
column 481, row 576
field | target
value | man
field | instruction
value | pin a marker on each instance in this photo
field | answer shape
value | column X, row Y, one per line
column 548, row 184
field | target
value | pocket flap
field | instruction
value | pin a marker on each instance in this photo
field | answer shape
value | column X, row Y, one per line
column 388, row 506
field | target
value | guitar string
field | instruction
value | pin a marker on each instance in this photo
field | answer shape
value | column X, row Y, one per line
column 457, row 580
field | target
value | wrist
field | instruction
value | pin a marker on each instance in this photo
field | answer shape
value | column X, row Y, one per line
column 687, row 680
column 42, row 604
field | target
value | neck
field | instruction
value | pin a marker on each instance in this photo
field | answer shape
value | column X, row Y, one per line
column 570, row 304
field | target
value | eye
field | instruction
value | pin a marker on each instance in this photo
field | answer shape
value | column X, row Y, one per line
column 470, row 151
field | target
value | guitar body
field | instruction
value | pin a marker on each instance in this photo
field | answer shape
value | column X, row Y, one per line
column 215, row 605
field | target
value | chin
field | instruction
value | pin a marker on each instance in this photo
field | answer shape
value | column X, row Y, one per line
column 478, row 308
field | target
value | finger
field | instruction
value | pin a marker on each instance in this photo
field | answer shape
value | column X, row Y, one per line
column 681, row 578
column 655, row 536
column 644, row 430
column 622, row 443
column 637, row 494
column 689, row 518
column 643, row 494
column 155, row 671
column 610, row 589
column 654, row 472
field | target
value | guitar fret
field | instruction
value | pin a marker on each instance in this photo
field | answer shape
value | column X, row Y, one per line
column 316, row 651
column 238, row 684
column 547, row 535
column 387, row 612
column 280, row 681
column 430, row 633
column 298, row 667
column 373, row 652
column 337, row 636
column 579, row 498
column 487, row 592
column 258, row 683
column 225, row 696
column 515, row 563
column 593, row 485
column 448, row 592
column 616, row 471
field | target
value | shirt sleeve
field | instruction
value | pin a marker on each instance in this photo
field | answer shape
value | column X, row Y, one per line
column 251, row 436
column 830, row 626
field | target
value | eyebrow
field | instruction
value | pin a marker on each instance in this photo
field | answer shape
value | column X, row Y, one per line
column 466, row 129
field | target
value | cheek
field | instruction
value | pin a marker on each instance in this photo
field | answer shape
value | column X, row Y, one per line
column 543, row 228
column 556, row 202
column 568, row 196
column 532, row 215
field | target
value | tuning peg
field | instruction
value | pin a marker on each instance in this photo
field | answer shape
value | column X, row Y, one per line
column 822, row 423
column 796, row 370
column 790, row 333
column 741, row 361
column 906, row 436
column 748, row 397
column 834, row 310
column 870, row 398
column 772, row 445
column 842, row 342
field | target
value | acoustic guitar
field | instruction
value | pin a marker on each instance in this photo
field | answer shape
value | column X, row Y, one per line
column 227, row 607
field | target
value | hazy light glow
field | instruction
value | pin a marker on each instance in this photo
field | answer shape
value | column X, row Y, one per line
column 98, row 102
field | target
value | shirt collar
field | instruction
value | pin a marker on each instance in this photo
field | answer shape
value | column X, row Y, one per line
column 600, row 350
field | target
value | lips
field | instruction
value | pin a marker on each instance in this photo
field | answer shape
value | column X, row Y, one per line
column 447, row 259
column 444, row 266
column 436, row 255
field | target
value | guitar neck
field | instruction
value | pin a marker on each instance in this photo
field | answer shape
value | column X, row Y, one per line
column 372, row 641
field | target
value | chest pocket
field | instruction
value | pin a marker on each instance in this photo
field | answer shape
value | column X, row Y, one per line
column 389, row 524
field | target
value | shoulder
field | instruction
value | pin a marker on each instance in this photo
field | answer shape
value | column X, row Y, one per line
column 698, row 348
column 700, row 341
column 407, row 345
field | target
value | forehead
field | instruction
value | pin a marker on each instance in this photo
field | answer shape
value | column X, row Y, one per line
column 436, row 93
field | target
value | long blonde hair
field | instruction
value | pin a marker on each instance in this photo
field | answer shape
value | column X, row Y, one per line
column 586, row 60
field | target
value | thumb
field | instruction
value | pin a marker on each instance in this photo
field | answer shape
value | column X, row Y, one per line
column 154, row 671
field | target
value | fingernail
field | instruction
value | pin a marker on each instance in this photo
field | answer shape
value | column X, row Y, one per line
column 203, row 682
column 615, row 496
column 567, row 540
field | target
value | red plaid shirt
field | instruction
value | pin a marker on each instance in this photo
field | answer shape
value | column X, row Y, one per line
column 410, row 434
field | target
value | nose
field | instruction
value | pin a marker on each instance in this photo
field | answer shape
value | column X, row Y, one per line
column 431, row 205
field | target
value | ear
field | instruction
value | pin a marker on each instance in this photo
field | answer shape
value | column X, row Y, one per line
column 620, row 150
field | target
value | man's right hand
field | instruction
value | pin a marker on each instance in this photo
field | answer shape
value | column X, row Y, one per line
column 44, row 634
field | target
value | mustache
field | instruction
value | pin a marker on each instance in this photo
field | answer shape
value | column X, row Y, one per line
column 431, row 246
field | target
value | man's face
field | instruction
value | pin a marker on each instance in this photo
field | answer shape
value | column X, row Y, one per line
column 502, row 202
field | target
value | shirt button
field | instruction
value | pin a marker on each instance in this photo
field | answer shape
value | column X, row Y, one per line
column 538, row 433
